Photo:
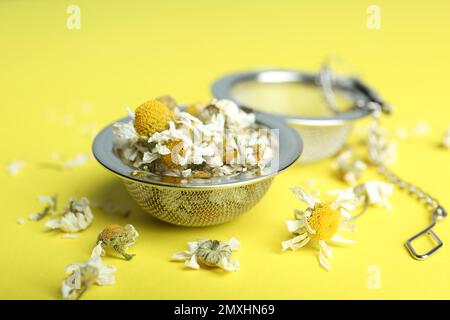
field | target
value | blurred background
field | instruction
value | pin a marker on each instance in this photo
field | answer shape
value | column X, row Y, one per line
column 61, row 82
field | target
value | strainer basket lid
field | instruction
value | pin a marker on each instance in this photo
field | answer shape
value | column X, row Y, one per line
column 290, row 147
column 352, row 88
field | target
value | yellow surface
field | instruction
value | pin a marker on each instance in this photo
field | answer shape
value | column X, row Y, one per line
column 57, row 83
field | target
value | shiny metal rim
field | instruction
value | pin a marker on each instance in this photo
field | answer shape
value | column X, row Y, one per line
column 359, row 92
column 290, row 149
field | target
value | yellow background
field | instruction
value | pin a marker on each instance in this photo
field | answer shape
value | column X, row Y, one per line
column 130, row 51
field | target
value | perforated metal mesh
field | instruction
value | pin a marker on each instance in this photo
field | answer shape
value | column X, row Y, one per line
column 197, row 208
column 321, row 142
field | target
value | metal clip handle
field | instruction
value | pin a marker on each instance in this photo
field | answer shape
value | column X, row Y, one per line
column 438, row 213
column 327, row 80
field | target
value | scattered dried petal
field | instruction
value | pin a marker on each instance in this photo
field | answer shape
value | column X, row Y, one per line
column 421, row 129
column 446, row 139
column 82, row 275
column 76, row 217
column 349, row 167
column 381, row 150
column 79, row 160
column 15, row 167
column 70, row 236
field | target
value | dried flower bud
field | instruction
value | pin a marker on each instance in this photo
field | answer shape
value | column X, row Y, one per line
column 212, row 253
column 118, row 237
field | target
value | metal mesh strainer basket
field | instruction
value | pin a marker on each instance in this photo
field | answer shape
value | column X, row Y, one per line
column 300, row 99
column 200, row 202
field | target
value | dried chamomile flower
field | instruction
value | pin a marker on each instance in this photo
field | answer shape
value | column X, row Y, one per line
column 381, row 150
column 15, row 167
column 50, row 203
column 211, row 253
column 152, row 116
column 374, row 193
column 319, row 222
column 446, row 139
column 349, row 167
column 221, row 139
column 82, row 275
column 76, row 217
column 118, row 237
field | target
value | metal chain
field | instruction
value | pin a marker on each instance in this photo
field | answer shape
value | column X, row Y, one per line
column 429, row 202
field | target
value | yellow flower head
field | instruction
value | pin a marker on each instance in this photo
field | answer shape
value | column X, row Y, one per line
column 324, row 220
column 321, row 221
column 152, row 116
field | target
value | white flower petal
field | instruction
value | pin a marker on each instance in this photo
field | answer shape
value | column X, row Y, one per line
column 70, row 235
column 234, row 244
column 192, row 263
column 323, row 261
column 181, row 256
column 34, row 217
column 326, row 249
column 53, row 224
column 304, row 196
column 378, row 193
column 98, row 251
column 296, row 242
column 446, row 139
column 339, row 239
column 70, row 285
column 347, row 226
column 294, row 225
column 299, row 214
column 106, row 276
column 15, row 167
column 194, row 245
column 229, row 265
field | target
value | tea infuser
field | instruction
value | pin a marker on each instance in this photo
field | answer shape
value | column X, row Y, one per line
column 324, row 136
column 203, row 201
